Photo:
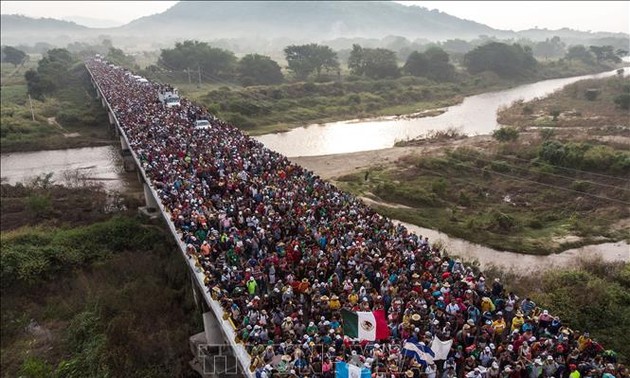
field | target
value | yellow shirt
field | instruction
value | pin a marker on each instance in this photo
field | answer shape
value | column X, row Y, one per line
column 334, row 304
column 517, row 322
column 499, row 325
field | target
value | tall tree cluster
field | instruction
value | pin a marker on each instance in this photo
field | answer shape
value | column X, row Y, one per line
column 198, row 56
column 12, row 55
column 376, row 63
column 304, row 60
column 51, row 74
column 433, row 64
column 503, row 59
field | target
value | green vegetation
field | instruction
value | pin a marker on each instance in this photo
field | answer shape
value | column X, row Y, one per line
column 505, row 134
column 304, row 60
column 195, row 55
column 593, row 296
column 12, row 55
column 255, row 69
column 502, row 59
column 507, row 200
column 65, row 112
column 110, row 298
column 248, row 92
column 433, row 64
column 532, row 192
column 373, row 63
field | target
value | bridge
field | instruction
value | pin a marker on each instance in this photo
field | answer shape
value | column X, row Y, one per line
column 215, row 349
column 271, row 213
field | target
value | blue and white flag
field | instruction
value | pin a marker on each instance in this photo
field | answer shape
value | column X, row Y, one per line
column 344, row 370
column 418, row 351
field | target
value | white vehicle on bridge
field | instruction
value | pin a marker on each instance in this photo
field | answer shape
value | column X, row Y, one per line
column 202, row 124
column 169, row 98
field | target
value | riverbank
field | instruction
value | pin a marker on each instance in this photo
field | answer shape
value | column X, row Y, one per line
column 71, row 118
column 504, row 194
column 262, row 110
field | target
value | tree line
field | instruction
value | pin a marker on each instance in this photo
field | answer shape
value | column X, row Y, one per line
column 313, row 60
column 303, row 62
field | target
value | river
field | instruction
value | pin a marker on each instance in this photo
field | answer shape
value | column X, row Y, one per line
column 100, row 164
column 475, row 115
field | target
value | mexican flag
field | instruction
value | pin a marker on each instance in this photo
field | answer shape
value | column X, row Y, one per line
column 365, row 325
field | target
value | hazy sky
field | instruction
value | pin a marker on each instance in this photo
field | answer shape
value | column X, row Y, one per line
column 613, row 16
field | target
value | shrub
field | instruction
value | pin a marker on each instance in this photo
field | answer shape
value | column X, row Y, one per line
column 39, row 204
column 623, row 101
column 505, row 134
column 591, row 94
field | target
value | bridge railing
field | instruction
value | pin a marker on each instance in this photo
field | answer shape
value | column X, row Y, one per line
column 229, row 332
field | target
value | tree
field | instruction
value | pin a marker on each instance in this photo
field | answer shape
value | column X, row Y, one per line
column 550, row 48
column 433, row 64
column 52, row 73
column 416, row 64
column 117, row 56
column 12, row 55
column 255, row 69
column 605, row 53
column 439, row 67
column 503, row 59
column 355, row 60
column 197, row 55
column 303, row 60
column 380, row 63
column 374, row 63
column 581, row 53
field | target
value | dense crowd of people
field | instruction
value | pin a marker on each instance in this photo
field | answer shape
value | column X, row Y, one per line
column 284, row 251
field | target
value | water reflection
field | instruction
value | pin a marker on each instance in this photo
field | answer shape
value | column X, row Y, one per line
column 100, row 164
column 520, row 263
column 475, row 115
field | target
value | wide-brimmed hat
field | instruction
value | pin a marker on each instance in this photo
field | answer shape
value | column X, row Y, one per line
column 409, row 373
column 286, row 358
column 415, row 317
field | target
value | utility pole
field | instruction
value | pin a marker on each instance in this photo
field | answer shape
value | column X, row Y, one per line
column 199, row 73
column 31, row 104
column 188, row 72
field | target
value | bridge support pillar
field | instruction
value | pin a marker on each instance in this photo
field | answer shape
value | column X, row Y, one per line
column 123, row 145
column 128, row 163
column 212, row 329
column 150, row 202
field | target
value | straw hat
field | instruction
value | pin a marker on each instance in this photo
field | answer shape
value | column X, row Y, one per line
column 409, row 373
column 415, row 317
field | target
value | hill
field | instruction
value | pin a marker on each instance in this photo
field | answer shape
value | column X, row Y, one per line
column 17, row 29
column 271, row 25
column 309, row 20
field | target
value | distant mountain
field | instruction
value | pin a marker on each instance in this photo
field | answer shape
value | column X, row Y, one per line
column 21, row 29
column 266, row 26
column 307, row 20
column 92, row 22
